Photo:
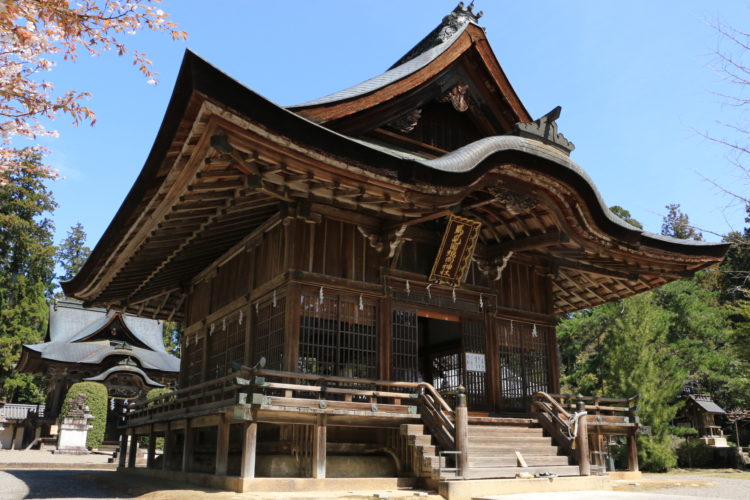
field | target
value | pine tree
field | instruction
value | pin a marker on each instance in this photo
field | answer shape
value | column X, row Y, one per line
column 26, row 274
column 677, row 224
column 72, row 254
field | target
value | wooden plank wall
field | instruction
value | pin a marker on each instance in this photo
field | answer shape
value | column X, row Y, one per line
column 335, row 248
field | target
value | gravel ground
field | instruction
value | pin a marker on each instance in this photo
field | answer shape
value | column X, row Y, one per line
column 88, row 485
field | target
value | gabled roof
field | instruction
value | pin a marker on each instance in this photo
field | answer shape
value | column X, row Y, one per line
column 71, row 322
column 81, row 335
column 706, row 403
column 455, row 53
column 143, row 261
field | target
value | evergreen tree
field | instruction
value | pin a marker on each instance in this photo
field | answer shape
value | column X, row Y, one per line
column 620, row 349
column 677, row 224
column 26, row 274
column 72, row 254
column 172, row 333
column 625, row 215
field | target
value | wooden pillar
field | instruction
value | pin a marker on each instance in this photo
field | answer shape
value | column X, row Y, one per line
column 319, row 448
column 133, row 451
column 168, row 451
column 123, row 449
column 462, row 432
column 151, row 456
column 187, row 447
column 222, row 447
column 247, row 468
column 582, row 442
column 632, row 452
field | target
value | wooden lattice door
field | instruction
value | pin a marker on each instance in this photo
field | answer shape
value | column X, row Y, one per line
column 524, row 356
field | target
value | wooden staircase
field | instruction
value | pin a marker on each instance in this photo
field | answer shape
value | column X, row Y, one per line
column 492, row 447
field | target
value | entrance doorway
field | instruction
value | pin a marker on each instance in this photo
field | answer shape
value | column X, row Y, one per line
column 444, row 349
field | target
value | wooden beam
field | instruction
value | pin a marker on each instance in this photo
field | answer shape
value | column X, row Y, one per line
column 596, row 270
column 187, row 447
column 530, row 243
column 418, row 220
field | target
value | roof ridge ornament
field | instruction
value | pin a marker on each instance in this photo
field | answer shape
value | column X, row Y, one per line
column 449, row 26
column 544, row 129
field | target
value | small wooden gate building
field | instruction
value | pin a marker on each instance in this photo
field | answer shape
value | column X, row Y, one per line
column 418, row 229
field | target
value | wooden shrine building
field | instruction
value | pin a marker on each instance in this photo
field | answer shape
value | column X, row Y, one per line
column 124, row 352
column 380, row 248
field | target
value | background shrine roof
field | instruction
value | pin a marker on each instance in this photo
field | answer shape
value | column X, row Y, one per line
column 70, row 322
column 125, row 368
column 706, row 403
column 93, row 353
column 395, row 73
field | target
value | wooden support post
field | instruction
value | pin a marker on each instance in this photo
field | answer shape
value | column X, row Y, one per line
column 151, row 456
column 187, row 447
column 222, row 447
column 319, row 449
column 247, row 468
column 13, row 437
column 632, row 452
column 462, row 432
column 133, row 451
column 122, row 459
column 582, row 441
column 168, row 451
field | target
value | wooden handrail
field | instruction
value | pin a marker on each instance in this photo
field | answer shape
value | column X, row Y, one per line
column 550, row 399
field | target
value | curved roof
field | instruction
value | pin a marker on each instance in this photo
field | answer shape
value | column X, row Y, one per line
column 384, row 79
column 126, row 369
column 93, row 353
column 207, row 101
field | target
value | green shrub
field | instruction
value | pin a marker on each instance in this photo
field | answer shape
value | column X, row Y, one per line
column 695, row 453
column 655, row 453
column 96, row 400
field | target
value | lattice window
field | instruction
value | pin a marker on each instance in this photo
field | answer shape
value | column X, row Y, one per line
column 404, row 348
column 524, row 362
column 269, row 333
column 446, row 370
column 216, row 340
column 235, row 340
column 194, row 362
column 474, row 343
column 338, row 336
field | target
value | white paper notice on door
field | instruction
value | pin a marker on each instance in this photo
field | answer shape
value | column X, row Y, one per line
column 475, row 362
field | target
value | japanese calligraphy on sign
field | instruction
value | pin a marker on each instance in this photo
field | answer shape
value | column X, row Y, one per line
column 456, row 250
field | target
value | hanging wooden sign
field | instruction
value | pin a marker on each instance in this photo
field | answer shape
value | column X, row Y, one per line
column 456, row 250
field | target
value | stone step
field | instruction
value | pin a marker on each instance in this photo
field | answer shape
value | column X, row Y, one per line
column 505, row 440
column 502, row 472
column 420, row 439
column 490, row 451
column 487, row 430
column 408, row 429
column 510, row 461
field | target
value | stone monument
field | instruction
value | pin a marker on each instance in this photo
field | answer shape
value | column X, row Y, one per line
column 75, row 428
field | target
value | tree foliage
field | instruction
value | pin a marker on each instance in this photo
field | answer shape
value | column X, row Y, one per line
column 26, row 273
column 677, row 224
column 96, row 400
column 32, row 32
column 171, row 334
column 72, row 254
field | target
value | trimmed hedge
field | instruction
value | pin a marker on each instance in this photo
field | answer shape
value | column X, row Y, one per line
column 96, row 400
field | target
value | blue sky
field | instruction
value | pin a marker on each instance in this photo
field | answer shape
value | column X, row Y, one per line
column 637, row 81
